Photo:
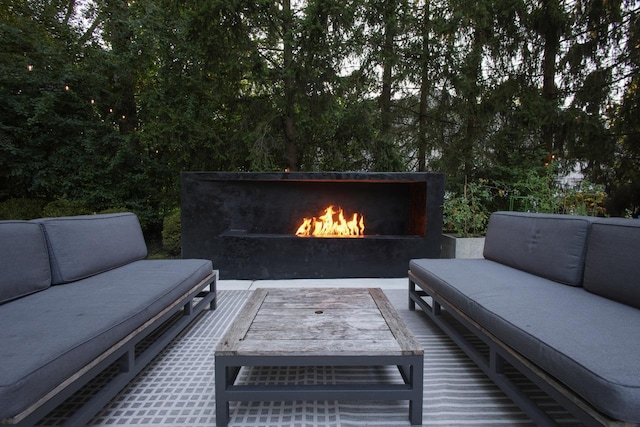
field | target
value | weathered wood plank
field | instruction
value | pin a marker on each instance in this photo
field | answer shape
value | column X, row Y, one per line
column 402, row 333
column 365, row 321
column 333, row 302
column 353, row 311
column 320, row 293
column 234, row 336
column 319, row 298
column 315, row 333
column 325, row 347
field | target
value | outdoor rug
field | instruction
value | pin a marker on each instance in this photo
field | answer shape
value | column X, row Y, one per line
column 177, row 388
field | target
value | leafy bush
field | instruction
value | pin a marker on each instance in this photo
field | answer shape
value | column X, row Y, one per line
column 584, row 199
column 64, row 207
column 21, row 208
column 467, row 214
column 113, row 210
column 171, row 231
column 536, row 193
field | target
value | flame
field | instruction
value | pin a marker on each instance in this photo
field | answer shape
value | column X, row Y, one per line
column 328, row 226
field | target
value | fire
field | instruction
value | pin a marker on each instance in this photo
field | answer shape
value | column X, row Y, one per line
column 327, row 225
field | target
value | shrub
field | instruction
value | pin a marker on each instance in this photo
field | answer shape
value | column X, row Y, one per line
column 584, row 199
column 21, row 208
column 113, row 210
column 64, row 207
column 467, row 214
column 536, row 193
column 171, row 231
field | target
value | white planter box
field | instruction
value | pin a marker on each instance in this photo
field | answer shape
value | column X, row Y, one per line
column 461, row 247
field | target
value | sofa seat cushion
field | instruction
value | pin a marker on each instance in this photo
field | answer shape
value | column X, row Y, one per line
column 48, row 336
column 588, row 342
column 24, row 260
column 547, row 245
column 84, row 245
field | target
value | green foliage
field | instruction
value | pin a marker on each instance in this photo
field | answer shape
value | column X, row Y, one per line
column 543, row 193
column 584, row 199
column 171, row 233
column 64, row 207
column 111, row 211
column 21, row 208
column 110, row 117
column 537, row 192
column 467, row 214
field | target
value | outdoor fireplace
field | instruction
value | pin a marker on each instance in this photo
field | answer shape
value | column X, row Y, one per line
column 246, row 223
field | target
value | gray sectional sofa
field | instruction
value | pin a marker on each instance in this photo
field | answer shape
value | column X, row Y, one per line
column 79, row 301
column 556, row 298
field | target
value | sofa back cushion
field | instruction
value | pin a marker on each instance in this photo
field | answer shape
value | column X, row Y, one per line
column 81, row 246
column 612, row 267
column 24, row 261
column 547, row 245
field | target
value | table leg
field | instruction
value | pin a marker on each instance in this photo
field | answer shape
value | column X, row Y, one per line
column 415, row 404
column 222, row 403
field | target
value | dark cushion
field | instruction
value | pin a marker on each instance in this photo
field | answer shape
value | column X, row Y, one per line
column 547, row 245
column 612, row 266
column 24, row 261
column 81, row 246
column 586, row 341
column 48, row 336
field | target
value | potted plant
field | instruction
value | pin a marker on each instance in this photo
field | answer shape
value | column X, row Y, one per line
column 465, row 218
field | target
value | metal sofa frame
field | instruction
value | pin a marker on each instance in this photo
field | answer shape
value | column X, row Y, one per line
column 499, row 357
column 127, row 357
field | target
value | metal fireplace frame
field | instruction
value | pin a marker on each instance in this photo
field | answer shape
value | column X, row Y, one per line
column 245, row 222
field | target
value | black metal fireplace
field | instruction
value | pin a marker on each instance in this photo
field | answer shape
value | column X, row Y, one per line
column 246, row 222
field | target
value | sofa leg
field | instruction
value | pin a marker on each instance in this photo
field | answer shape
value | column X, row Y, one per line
column 496, row 362
column 128, row 360
column 412, row 291
column 188, row 307
column 436, row 308
column 214, row 302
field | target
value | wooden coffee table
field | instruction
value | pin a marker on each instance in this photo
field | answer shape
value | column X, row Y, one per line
column 318, row 327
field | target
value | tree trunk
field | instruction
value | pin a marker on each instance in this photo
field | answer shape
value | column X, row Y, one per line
column 124, row 80
column 388, row 59
column 549, row 91
column 425, row 86
column 472, row 74
column 289, row 89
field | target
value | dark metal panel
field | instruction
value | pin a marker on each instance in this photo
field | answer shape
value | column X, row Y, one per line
column 246, row 222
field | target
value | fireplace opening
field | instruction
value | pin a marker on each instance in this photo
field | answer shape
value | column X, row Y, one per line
column 332, row 223
column 246, row 223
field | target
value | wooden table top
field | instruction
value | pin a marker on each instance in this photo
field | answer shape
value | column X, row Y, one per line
column 317, row 322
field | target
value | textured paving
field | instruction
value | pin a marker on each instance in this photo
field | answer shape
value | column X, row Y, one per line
column 177, row 389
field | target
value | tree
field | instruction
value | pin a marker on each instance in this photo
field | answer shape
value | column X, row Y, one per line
column 106, row 101
column 550, row 23
column 426, row 84
column 624, row 182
